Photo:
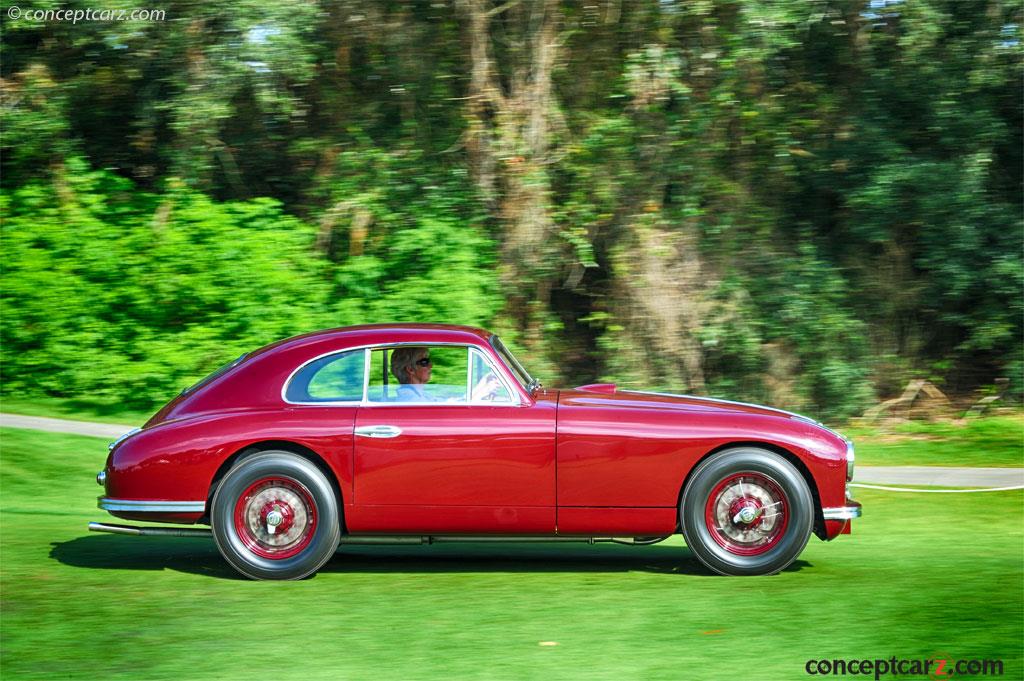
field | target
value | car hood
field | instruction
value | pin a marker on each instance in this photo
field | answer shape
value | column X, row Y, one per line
column 609, row 394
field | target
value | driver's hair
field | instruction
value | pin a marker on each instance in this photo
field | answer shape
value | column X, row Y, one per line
column 403, row 358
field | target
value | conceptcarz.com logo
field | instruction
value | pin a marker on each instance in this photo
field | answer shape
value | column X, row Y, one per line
column 936, row 667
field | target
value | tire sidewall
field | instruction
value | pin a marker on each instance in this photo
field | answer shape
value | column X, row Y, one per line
column 740, row 460
column 326, row 534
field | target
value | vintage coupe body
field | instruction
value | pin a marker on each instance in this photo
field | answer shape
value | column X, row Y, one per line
column 306, row 444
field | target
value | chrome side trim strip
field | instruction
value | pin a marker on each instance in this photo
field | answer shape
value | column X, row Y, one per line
column 150, row 531
column 367, row 365
column 491, row 539
column 842, row 513
column 143, row 506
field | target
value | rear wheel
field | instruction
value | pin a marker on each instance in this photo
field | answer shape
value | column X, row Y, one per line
column 275, row 516
column 746, row 511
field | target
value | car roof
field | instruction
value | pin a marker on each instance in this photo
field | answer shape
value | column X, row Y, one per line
column 382, row 334
column 257, row 378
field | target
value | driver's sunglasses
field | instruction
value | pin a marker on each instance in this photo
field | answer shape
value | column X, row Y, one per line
column 425, row 362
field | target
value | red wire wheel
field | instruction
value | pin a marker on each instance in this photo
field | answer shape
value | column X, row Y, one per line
column 747, row 513
column 275, row 517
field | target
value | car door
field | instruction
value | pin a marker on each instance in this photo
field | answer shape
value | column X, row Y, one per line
column 452, row 461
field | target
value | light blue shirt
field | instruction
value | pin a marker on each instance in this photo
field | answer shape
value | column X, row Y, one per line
column 413, row 392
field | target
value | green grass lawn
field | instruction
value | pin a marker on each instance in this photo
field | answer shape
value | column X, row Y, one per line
column 918, row 577
column 989, row 441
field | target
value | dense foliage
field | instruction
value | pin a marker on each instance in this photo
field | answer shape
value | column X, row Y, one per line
column 122, row 296
column 802, row 203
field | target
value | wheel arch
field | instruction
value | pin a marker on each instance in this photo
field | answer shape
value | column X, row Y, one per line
column 819, row 518
column 280, row 445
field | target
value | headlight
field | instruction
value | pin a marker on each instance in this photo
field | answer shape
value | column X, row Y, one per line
column 849, row 460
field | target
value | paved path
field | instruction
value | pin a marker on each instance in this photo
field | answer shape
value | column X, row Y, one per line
column 939, row 477
column 110, row 430
column 886, row 475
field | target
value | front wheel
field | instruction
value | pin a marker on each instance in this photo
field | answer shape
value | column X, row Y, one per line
column 275, row 516
column 746, row 511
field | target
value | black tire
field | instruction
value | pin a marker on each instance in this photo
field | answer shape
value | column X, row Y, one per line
column 746, row 511
column 275, row 516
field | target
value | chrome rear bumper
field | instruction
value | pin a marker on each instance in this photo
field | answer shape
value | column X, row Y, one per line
column 146, row 506
column 842, row 512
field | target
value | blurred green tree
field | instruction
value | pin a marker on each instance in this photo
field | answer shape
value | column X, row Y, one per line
column 799, row 203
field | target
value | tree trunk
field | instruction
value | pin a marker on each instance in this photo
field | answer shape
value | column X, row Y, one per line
column 508, row 141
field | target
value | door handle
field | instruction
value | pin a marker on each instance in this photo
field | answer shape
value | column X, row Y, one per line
column 378, row 431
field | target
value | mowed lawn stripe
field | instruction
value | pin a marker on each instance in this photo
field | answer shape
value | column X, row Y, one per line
column 918, row 577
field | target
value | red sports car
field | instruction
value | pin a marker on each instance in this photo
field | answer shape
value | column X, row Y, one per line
column 423, row 433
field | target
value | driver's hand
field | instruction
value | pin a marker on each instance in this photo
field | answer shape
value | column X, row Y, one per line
column 486, row 388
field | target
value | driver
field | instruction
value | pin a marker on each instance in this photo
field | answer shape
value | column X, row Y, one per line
column 411, row 366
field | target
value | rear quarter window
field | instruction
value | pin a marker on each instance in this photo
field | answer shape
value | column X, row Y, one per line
column 334, row 378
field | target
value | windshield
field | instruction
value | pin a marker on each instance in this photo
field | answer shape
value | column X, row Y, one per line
column 521, row 374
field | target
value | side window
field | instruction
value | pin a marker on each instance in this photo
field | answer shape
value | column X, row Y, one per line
column 485, row 386
column 334, row 378
column 428, row 373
